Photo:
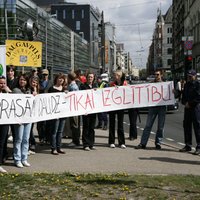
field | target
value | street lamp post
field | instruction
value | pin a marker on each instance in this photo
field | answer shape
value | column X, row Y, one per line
column 46, row 37
column 6, row 18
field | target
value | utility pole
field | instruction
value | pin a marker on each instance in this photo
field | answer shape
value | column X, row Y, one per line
column 102, row 43
column 6, row 18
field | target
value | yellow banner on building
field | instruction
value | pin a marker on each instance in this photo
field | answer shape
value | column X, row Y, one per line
column 23, row 53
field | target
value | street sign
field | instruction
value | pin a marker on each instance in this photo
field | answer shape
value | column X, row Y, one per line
column 188, row 44
column 184, row 38
column 189, row 52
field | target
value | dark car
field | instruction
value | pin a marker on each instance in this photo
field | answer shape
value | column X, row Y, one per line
column 172, row 107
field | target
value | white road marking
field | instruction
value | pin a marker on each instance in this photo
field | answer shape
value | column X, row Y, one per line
column 170, row 139
column 181, row 143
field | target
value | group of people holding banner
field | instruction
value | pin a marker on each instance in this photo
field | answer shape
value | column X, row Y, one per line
column 51, row 131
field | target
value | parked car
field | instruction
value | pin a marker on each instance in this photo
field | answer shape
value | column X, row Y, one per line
column 170, row 108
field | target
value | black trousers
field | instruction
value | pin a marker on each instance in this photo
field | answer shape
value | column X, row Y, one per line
column 3, row 141
column 88, row 133
column 133, row 113
column 120, row 127
column 75, row 128
column 192, row 117
column 102, row 118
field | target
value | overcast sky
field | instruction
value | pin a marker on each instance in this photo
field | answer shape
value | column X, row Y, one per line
column 134, row 21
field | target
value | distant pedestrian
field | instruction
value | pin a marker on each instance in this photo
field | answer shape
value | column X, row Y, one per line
column 102, row 82
column 156, row 111
column 179, row 88
column 191, row 100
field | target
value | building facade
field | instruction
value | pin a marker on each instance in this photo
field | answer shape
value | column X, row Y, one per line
column 160, row 51
column 192, row 31
column 84, row 20
column 178, row 10
column 57, row 53
column 110, row 48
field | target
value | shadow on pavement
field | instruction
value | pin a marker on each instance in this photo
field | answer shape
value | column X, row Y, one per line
column 172, row 160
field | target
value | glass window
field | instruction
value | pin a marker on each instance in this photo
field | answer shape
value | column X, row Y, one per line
column 169, row 50
column 64, row 14
column 73, row 14
column 169, row 62
column 82, row 14
column 78, row 25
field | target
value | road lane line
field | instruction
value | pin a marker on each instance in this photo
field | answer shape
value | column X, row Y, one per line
column 181, row 143
column 169, row 139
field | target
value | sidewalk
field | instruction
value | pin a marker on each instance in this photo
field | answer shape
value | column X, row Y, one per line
column 106, row 160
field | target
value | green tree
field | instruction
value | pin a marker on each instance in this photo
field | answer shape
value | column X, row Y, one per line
column 143, row 74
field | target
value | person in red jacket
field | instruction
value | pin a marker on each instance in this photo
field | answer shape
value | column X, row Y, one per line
column 119, row 80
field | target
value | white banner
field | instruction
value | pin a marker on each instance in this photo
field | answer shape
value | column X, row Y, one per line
column 3, row 60
column 22, row 108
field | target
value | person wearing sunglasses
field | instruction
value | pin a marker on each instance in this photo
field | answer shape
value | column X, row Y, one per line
column 156, row 111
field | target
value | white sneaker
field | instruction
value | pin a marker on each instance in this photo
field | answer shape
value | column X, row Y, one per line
column 19, row 165
column 10, row 138
column 123, row 146
column 112, row 145
column 26, row 164
column 87, row 149
column 92, row 148
column 31, row 152
column 2, row 170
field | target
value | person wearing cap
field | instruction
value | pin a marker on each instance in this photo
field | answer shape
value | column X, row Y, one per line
column 191, row 101
column 42, row 128
column 45, row 83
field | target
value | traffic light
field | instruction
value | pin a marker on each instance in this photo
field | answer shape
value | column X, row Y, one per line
column 188, row 62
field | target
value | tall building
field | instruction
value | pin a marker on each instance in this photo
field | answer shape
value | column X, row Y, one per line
column 110, row 47
column 84, row 20
column 192, row 34
column 178, row 10
column 120, row 59
column 61, row 47
column 160, row 51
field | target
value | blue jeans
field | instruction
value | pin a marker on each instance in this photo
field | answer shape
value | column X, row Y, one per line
column 159, row 111
column 57, row 130
column 21, row 143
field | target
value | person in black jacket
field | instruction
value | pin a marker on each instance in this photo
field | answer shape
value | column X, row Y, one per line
column 3, row 128
column 89, row 121
column 191, row 100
